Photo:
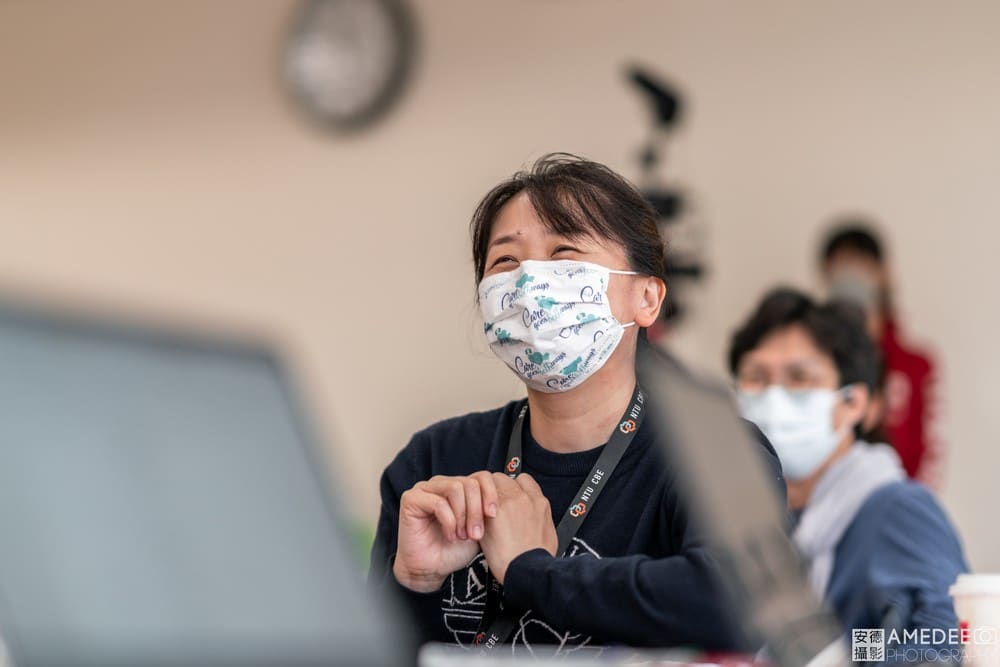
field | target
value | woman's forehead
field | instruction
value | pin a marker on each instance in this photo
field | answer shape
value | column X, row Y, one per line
column 517, row 217
column 518, row 220
column 531, row 232
column 789, row 345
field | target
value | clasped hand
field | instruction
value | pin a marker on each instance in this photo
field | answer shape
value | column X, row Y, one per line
column 445, row 521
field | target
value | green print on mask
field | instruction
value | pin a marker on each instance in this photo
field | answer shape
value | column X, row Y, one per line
column 524, row 280
column 536, row 357
column 583, row 318
column 487, row 326
column 502, row 334
column 573, row 367
column 545, row 302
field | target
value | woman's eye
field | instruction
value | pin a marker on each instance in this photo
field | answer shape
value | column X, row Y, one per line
column 800, row 380
column 501, row 260
column 564, row 248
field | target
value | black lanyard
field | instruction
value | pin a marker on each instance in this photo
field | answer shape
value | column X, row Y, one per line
column 499, row 623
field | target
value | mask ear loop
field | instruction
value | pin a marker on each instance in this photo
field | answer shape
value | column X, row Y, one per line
column 846, row 393
column 626, row 273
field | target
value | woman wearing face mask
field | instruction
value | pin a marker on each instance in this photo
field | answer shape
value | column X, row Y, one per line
column 553, row 519
column 881, row 550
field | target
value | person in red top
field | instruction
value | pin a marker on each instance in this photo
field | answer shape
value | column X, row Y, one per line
column 855, row 268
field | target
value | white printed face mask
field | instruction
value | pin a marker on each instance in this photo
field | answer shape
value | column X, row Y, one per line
column 550, row 321
column 799, row 425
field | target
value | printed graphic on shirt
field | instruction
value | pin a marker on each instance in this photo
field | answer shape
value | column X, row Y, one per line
column 465, row 599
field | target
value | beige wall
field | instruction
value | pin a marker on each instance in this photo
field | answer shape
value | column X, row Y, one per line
column 149, row 160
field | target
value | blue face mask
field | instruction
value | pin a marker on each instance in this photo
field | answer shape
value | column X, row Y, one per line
column 799, row 425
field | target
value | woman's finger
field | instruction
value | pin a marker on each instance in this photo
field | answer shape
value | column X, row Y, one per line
column 425, row 504
column 452, row 490
column 488, row 491
column 528, row 483
column 473, row 509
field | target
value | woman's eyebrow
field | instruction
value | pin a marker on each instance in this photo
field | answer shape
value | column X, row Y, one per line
column 807, row 365
column 500, row 240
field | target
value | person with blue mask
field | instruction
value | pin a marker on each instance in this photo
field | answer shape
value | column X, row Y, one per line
column 881, row 550
column 554, row 523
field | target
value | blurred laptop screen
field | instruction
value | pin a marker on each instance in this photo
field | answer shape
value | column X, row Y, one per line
column 160, row 503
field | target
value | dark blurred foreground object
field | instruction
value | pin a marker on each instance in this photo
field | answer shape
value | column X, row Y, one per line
column 162, row 503
column 346, row 62
column 727, row 486
column 683, row 257
column 855, row 268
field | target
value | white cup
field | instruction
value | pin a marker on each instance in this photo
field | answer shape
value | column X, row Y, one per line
column 977, row 605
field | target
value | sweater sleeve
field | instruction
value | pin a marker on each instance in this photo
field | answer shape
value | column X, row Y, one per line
column 639, row 600
column 423, row 609
column 916, row 558
column 635, row 600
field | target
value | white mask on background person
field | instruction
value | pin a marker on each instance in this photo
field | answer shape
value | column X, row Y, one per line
column 856, row 287
column 798, row 423
column 550, row 321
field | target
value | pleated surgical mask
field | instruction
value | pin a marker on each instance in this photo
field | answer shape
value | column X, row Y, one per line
column 799, row 424
column 550, row 321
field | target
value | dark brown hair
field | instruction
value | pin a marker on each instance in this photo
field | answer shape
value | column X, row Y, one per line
column 576, row 197
column 853, row 234
column 836, row 328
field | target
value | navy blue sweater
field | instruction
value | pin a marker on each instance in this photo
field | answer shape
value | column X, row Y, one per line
column 638, row 572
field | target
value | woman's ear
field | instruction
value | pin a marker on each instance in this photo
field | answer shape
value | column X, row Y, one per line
column 654, row 291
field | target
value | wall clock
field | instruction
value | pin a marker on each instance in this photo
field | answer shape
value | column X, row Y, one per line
column 346, row 61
